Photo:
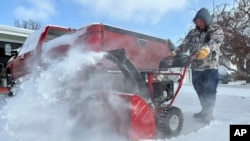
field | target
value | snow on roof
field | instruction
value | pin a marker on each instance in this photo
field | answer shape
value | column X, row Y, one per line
column 9, row 30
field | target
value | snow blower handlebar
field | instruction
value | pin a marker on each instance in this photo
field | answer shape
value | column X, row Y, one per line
column 175, row 61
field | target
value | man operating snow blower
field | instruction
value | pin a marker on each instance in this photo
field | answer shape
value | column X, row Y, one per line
column 204, row 43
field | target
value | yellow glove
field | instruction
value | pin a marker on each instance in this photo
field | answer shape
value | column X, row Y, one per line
column 203, row 53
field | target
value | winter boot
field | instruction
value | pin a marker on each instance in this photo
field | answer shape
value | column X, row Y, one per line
column 208, row 106
column 207, row 115
column 202, row 102
column 200, row 114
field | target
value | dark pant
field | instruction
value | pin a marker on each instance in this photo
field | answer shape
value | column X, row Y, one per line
column 205, row 84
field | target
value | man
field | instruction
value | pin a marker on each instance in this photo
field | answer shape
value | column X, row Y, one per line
column 204, row 43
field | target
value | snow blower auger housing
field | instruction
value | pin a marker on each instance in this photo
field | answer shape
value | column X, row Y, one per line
column 135, row 61
column 167, row 119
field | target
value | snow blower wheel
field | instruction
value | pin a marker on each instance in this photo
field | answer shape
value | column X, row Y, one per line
column 169, row 122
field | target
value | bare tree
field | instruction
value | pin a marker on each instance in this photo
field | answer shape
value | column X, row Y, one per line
column 236, row 26
column 28, row 24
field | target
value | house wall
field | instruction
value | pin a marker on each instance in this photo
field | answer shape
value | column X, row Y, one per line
column 13, row 37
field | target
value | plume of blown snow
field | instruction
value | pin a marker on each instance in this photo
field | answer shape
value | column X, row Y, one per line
column 55, row 103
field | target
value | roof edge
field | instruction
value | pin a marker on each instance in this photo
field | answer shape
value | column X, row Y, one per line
column 10, row 30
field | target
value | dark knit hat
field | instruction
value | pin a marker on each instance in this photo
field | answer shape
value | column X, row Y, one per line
column 204, row 15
